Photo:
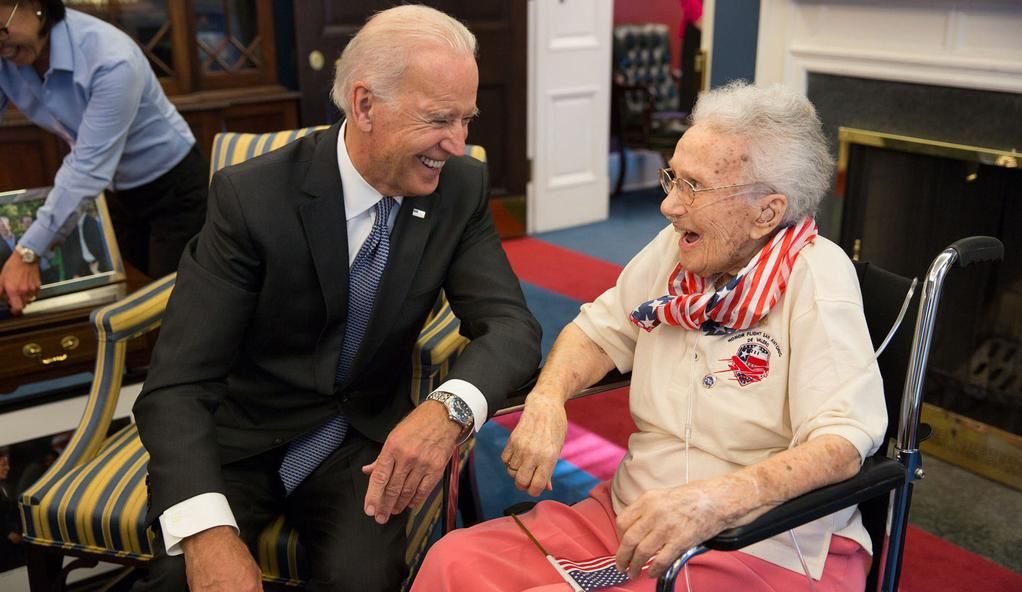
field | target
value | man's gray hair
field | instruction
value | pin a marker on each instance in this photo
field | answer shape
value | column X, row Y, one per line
column 787, row 148
column 378, row 55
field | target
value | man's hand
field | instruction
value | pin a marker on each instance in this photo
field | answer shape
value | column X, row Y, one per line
column 535, row 443
column 412, row 461
column 20, row 282
column 217, row 560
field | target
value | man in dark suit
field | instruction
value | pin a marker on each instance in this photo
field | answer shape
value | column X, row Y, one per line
column 251, row 361
column 7, row 239
column 84, row 251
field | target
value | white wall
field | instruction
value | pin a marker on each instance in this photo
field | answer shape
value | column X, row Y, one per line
column 958, row 43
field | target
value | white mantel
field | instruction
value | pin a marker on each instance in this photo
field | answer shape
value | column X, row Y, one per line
column 958, row 43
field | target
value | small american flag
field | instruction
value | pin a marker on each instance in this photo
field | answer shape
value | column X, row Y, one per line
column 594, row 574
column 584, row 576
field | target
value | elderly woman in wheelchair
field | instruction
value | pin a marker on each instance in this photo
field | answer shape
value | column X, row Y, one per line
column 753, row 379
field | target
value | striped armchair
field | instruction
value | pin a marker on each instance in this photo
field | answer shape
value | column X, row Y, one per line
column 91, row 503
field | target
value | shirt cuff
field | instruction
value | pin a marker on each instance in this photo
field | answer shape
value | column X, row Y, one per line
column 472, row 396
column 192, row 516
column 38, row 239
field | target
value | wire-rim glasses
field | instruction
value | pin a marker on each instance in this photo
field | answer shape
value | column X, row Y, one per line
column 688, row 189
column 5, row 33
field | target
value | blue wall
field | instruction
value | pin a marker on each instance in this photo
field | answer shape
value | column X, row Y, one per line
column 735, row 33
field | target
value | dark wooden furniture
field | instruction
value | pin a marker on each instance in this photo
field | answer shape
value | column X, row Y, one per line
column 322, row 31
column 216, row 60
column 50, row 345
column 644, row 112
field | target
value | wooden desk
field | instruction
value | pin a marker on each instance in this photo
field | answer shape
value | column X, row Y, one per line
column 52, row 345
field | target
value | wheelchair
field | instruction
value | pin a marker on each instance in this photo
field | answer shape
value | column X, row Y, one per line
column 883, row 486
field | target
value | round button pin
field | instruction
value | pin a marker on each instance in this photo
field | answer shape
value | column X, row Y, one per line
column 709, row 380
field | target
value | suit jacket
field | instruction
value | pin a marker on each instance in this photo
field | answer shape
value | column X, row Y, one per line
column 249, row 346
column 71, row 249
column 5, row 251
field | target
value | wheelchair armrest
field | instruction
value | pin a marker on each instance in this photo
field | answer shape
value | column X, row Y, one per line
column 613, row 380
column 877, row 476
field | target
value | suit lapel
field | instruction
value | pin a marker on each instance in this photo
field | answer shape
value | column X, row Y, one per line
column 323, row 219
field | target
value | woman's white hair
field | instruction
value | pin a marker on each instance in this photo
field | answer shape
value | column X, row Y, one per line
column 379, row 53
column 787, row 149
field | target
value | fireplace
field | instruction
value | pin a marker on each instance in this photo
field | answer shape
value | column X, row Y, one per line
column 923, row 167
column 939, row 71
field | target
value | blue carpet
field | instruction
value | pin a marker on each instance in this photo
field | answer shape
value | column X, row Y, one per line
column 552, row 310
column 497, row 491
column 635, row 219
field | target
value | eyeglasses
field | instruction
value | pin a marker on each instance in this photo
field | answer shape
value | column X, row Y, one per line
column 688, row 189
column 5, row 31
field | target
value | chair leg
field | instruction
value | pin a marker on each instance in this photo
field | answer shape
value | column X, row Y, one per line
column 44, row 569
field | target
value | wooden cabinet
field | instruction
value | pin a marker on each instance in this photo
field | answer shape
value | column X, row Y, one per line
column 216, row 60
column 54, row 344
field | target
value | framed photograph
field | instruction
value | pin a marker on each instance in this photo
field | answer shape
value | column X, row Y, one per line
column 85, row 269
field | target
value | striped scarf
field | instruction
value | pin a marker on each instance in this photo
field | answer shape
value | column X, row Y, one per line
column 740, row 304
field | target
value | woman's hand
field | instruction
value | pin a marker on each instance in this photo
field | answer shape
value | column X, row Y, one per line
column 19, row 281
column 575, row 362
column 535, row 443
column 665, row 523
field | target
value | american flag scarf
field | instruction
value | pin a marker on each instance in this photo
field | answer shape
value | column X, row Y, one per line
column 740, row 304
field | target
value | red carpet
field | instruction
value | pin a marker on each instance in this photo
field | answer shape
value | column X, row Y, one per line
column 929, row 564
column 568, row 273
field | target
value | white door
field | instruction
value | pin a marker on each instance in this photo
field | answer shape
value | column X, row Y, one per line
column 569, row 118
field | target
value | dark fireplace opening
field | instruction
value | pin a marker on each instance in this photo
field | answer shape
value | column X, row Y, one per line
column 899, row 207
column 900, row 210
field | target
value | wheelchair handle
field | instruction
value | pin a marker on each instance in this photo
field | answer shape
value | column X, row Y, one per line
column 965, row 252
column 974, row 249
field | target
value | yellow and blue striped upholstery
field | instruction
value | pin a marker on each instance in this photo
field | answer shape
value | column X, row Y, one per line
column 230, row 148
column 93, row 499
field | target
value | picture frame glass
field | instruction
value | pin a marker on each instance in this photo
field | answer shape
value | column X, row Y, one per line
column 87, row 259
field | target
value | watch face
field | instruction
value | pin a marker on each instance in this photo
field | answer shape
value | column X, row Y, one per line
column 27, row 255
column 459, row 411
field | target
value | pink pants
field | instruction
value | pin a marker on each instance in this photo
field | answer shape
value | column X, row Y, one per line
column 497, row 556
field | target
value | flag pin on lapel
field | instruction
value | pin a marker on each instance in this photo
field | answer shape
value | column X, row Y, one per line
column 419, row 213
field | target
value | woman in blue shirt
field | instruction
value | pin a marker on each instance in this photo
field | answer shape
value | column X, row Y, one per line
column 89, row 83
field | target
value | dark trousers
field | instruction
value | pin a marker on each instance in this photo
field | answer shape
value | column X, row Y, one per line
column 345, row 549
column 155, row 221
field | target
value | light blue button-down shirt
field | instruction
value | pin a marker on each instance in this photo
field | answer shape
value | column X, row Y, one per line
column 101, row 96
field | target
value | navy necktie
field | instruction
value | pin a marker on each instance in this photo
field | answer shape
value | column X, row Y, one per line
column 307, row 452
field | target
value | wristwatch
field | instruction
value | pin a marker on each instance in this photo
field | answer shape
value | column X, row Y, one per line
column 458, row 411
column 27, row 254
